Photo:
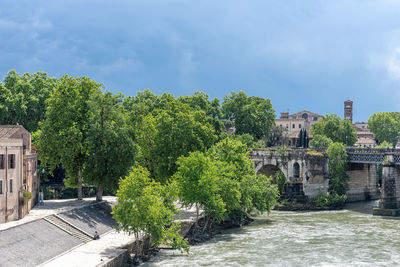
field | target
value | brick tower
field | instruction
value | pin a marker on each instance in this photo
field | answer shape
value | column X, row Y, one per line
column 348, row 110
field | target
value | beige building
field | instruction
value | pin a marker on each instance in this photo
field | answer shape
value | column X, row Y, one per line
column 366, row 138
column 18, row 173
column 295, row 122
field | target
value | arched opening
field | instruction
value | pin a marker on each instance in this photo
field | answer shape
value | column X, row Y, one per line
column 269, row 170
column 278, row 177
column 296, row 170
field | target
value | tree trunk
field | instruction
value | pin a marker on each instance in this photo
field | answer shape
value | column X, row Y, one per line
column 197, row 213
column 99, row 195
column 80, row 184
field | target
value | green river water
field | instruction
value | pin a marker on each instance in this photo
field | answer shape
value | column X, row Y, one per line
column 349, row 237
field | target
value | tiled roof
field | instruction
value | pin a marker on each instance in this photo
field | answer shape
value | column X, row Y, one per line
column 6, row 131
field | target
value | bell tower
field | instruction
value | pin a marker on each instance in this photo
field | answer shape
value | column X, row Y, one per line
column 348, row 110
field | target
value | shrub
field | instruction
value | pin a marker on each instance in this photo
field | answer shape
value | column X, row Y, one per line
column 329, row 200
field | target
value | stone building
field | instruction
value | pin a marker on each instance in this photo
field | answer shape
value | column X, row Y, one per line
column 366, row 138
column 295, row 122
column 18, row 173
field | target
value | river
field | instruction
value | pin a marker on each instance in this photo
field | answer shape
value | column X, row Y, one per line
column 349, row 237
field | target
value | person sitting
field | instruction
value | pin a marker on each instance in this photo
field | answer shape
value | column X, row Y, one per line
column 96, row 235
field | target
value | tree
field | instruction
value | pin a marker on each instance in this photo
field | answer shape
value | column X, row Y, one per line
column 199, row 184
column 223, row 182
column 278, row 136
column 337, row 168
column 200, row 101
column 336, row 129
column 320, row 141
column 238, row 166
column 63, row 135
column 144, row 209
column 385, row 126
column 174, row 131
column 252, row 115
column 111, row 149
column 22, row 98
column 385, row 144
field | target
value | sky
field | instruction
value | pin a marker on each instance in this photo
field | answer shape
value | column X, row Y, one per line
column 302, row 55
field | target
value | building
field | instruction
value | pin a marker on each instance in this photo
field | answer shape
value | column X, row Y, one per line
column 295, row 122
column 348, row 110
column 18, row 173
column 366, row 138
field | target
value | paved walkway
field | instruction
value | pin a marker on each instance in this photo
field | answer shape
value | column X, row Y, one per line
column 54, row 207
column 93, row 253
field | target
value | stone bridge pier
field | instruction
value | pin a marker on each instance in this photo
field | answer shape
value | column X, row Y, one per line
column 389, row 204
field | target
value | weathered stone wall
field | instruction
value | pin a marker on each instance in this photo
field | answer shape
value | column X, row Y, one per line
column 316, row 175
column 363, row 182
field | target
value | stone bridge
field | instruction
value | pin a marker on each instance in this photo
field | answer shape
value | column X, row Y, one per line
column 374, row 173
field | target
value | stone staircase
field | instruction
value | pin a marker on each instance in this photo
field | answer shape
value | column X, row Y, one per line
column 69, row 228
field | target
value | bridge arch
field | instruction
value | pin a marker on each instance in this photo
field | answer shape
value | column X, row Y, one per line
column 269, row 170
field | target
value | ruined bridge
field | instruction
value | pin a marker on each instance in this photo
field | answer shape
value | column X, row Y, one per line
column 374, row 173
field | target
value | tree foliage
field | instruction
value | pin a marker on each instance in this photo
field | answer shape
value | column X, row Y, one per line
column 22, row 98
column 111, row 149
column 62, row 138
column 145, row 209
column 320, row 141
column 174, row 131
column 337, row 168
column 223, row 181
column 252, row 115
column 336, row 129
column 385, row 126
column 278, row 136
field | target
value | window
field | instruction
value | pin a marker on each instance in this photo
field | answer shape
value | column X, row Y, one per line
column 11, row 161
column 2, row 159
column 11, row 183
column 294, row 117
column 299, row 126
column 305, row 116
column 287, row 125
column 1, row 187
column 293, row 126
column 314, row 118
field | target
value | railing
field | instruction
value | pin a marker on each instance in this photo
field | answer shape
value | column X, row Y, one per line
column 355, row 155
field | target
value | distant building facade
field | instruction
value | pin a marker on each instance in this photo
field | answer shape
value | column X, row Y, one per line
column 18, row 173
column 292, row 124
column 366, row 138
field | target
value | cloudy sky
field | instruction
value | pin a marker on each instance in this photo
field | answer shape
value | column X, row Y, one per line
column 301, row 54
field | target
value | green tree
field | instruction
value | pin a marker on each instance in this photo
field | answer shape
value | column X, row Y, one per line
column 336, row 129
column 278, row 136
column 144, row 209
column 239, row 167
column 22, row 98
column 174, row 131
column 212, row 108
column 252, row 115
column 385, row 126
column 320, row 141
column 62, row 138
column 337, row 168
column 385, row 144
column 111, row 149
column 199, row 184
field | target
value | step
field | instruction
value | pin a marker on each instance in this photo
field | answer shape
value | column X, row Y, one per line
column 69, row 228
